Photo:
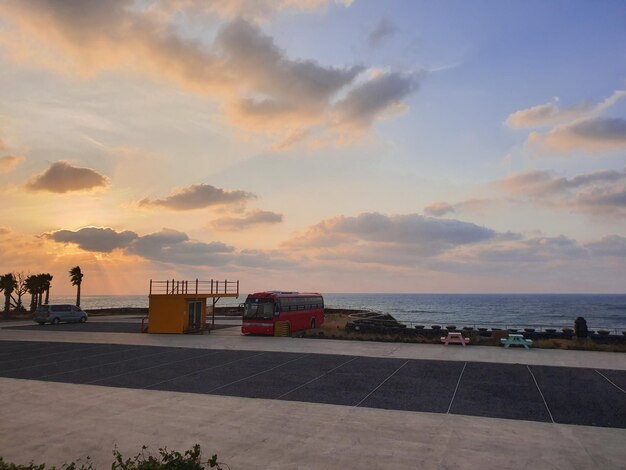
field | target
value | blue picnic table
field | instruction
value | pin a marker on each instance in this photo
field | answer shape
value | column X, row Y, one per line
column 516, row 340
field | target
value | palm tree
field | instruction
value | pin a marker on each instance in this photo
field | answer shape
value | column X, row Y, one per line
column 76, row 276
column 46, row 280
column 32, row 286
column 7, row 284
column 41, row 288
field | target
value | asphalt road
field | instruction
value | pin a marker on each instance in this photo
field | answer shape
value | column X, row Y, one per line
column 564, row 395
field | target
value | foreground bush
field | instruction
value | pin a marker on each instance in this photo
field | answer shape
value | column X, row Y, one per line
column 166, row 460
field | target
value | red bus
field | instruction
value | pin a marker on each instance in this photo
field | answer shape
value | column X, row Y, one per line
column 263, row 309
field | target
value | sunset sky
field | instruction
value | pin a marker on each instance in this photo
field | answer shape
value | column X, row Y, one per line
column 315, row 145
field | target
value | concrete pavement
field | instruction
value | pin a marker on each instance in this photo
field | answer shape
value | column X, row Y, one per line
column 230, row 338
column 57, row 422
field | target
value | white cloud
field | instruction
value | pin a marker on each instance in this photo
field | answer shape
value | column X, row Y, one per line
column 378, row 238
column 597, row 193
column 610, row 246
column 370, row 100
column 383, row 31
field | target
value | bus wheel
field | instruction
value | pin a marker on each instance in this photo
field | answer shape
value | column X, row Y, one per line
column 312, row 323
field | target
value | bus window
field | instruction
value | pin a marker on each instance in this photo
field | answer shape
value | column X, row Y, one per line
column 263, row 310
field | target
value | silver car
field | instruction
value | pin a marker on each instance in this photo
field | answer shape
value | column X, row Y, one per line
column 56, row 314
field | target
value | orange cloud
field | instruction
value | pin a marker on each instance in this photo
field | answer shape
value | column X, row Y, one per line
column 253, row 218
column 550, row 114
column 9, row 163
column 442, row 208
column 259, row 87
column 199, row 196
column 545, row 115
column 258, row 10
column 594, row 135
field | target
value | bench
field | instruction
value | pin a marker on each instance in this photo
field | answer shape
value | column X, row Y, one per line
column 516, row 340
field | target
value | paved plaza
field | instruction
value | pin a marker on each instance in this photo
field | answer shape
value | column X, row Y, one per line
column 324, row 409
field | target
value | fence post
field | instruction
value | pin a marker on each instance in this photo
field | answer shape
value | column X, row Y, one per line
column 150, row 286
column 196, row 286
column 167, row 286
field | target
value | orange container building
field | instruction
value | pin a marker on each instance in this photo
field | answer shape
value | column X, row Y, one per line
column 181, row 306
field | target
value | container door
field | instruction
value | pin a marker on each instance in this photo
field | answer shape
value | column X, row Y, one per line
column 194, row 310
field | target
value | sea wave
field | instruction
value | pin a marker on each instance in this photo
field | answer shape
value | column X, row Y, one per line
column 558, row 310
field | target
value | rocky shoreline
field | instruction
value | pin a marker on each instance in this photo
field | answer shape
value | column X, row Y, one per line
column 224, row 311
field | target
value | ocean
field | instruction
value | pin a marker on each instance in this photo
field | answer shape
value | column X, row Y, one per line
column 606, row 311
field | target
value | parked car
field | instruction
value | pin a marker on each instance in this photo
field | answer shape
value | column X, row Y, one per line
column 56, row 314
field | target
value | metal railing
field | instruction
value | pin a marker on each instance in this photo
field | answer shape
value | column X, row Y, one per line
column 212, row 287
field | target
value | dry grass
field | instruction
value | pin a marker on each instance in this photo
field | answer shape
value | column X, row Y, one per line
column 576, row 344
column 335, row 328
column 334, row 322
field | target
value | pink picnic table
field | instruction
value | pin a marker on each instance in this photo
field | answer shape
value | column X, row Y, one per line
column 455, row 338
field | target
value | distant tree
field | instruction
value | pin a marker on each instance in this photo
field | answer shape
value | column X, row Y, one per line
column 76, row 276
column 8, row 284
column 21, row 289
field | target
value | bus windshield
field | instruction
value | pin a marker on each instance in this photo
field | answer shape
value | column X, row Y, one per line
column 262, row 310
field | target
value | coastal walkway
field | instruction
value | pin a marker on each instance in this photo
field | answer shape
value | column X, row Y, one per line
column 315, row 403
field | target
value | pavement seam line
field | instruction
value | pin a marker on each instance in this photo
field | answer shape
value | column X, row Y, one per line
column 316, row 378
column 456, row 388
column 67, row 360
column 541, row 393
column 45, row 355
column 382, row 383
column 202, row 370
column 211, row 353
column 610, row 381
column 105, row 364
column 257, row 374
